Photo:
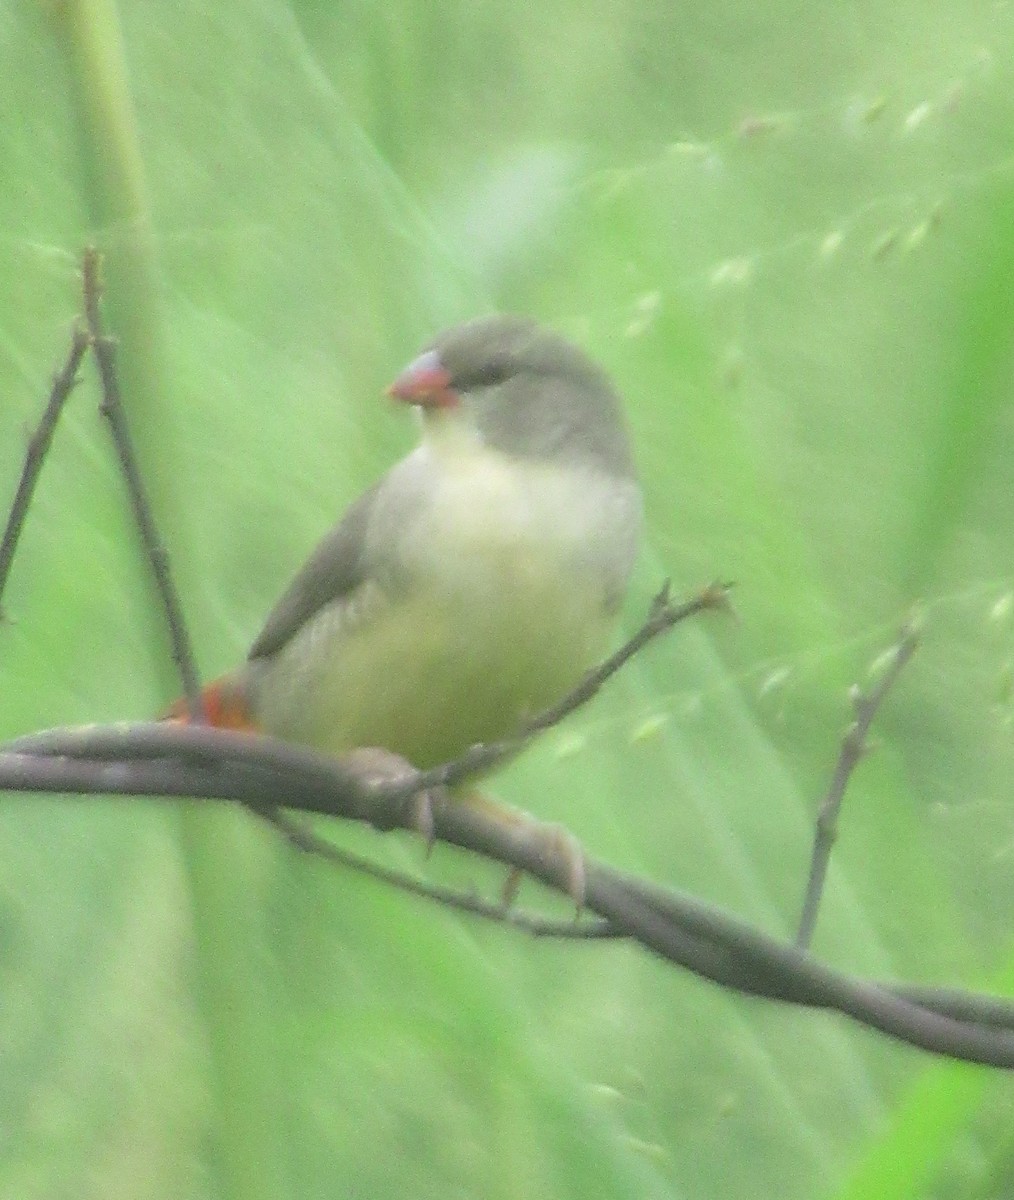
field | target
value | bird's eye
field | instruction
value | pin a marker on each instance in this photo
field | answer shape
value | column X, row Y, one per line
column 487, row 374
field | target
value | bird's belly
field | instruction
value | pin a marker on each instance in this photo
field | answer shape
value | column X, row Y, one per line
column 428, row 673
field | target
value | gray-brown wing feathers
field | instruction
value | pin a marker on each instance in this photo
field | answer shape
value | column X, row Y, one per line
column 334, row 570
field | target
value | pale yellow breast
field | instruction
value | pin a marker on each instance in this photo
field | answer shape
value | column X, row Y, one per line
column 504, row 610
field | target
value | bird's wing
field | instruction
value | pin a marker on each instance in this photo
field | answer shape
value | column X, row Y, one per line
column 333, row 572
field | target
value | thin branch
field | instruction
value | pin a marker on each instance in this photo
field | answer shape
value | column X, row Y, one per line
column 303, row 838
column 168, row 760
column 104, row 348
column 763, row 966
column 962, row 1006
column 38, row 447
column 852, row 750
column 755, row 965
column 662, row 616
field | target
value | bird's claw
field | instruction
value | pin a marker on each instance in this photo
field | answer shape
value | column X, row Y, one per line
column 379, row 768
column 423, row 820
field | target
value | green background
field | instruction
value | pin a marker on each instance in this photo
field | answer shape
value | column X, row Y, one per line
column 788, row 231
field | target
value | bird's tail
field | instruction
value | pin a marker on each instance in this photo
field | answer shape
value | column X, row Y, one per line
column 224, row 704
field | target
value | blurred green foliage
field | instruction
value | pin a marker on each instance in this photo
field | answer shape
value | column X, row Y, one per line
column 787, row 231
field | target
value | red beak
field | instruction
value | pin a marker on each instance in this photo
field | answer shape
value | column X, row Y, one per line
column 426, row 382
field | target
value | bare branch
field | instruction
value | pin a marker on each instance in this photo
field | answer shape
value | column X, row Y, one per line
column 852, row 750
column 303, row 838
column 38, row 447
column 104, row 349
column 186, row 760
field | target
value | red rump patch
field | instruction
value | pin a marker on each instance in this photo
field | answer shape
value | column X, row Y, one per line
column 223, row 706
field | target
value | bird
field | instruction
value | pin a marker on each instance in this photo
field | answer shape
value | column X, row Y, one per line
column 475, row 582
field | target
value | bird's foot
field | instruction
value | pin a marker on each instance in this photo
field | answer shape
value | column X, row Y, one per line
column 380, row 768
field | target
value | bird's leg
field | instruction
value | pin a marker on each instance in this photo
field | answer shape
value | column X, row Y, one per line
column 552, row 844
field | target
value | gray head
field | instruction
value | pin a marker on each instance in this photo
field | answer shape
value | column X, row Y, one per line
column 528, row 391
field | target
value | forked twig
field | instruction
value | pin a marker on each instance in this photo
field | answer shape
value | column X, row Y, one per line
column 853, row 748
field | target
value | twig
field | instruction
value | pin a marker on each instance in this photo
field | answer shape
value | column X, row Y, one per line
column 104, row 348
column 182, row 760
column 662, row 616
column 38, row 446
column 852, row 749
column 305, row 839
